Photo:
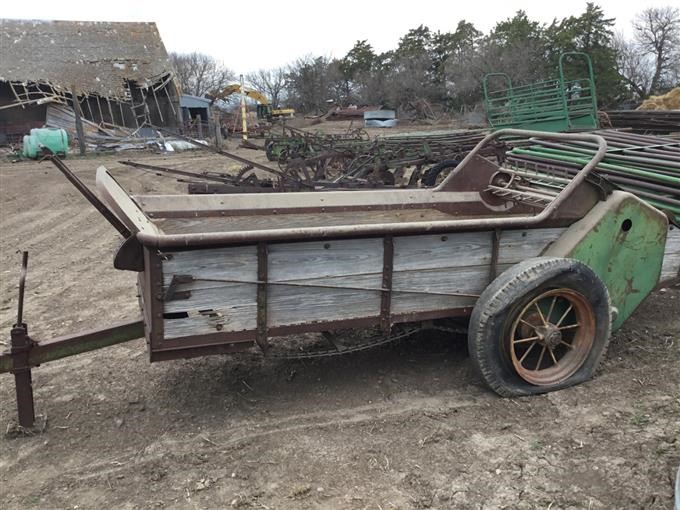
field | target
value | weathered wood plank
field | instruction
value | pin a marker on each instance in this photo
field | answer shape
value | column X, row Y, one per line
column 294, row 261
column 206, row 295
column 455, row 263
column 234, row 263
column 236, row 318
column 465, row 280
column 671, row 266
column 331, row 263
column 518, row 245
column 236, row 302
column 414, row 253
column 671, row 258
column 296, row 220
column 160, row 204
column 285, row 304
column 296, row 305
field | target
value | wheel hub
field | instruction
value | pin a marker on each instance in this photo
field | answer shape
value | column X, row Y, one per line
column 549, row 335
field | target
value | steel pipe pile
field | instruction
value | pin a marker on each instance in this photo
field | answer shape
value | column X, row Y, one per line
column 648, row 166
column 645, row 121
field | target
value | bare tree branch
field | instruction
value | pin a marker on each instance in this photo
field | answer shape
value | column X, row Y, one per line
column 271, row 82
column 657, row 31
column 198, row 73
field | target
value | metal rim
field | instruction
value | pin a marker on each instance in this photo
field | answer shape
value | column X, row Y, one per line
column 552, row 336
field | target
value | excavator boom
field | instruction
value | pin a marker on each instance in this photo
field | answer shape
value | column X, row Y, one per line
column 264, row 109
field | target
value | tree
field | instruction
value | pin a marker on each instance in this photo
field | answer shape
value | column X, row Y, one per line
column 409, row 80
column 465, row 66
column 308, row 84
column 199, row 74
column 634, row 66
column 448, row 47
column 359, row 60
column 657, row 32
column 372, row 84
column 410, row 70
column 516, row 29
column 590, row 33
column 415, row 42
column 517, row 47
column 354, row 70
column 271, row 82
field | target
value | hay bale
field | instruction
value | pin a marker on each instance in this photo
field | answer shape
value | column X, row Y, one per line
column 668, row 101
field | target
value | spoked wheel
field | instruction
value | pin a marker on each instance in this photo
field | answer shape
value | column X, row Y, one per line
column 436, row 174
column 552, row 336
column 542, row 325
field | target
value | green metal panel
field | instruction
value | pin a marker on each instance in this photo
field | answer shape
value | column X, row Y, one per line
column 622, row 239
column 563, row 104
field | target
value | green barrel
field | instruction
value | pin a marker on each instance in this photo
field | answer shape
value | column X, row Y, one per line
column 54, row 139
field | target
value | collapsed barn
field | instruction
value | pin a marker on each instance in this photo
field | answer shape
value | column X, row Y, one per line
column 119, row 72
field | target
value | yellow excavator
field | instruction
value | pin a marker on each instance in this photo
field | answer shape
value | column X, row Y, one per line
column 264, row 109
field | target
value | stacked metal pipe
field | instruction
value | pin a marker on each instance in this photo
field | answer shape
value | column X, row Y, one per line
column 648, row 166
column 646, row 121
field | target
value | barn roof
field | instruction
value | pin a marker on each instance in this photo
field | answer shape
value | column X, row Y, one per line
column 96, row 57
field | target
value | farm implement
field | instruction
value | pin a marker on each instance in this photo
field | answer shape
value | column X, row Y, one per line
column 544, row 264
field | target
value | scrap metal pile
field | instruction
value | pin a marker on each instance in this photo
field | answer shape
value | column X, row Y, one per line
column 312, row 161
column 644, row 121
column 293, row 143
column 358, row 161
column 647, row 166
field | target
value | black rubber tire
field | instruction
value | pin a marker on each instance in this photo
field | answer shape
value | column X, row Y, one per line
column 501, row 302
column 429, row 178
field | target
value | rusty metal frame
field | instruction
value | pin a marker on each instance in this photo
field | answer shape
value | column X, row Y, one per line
column 85, row 191
column 26, row 353
column 63, row 346
column 262, row 277
column 177, row 348
column 495, row 249
column 21, row 345
column 386, row 294
column 153, row 293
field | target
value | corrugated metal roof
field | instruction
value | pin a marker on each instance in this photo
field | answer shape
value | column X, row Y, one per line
column 189, row 101
column 96, row 57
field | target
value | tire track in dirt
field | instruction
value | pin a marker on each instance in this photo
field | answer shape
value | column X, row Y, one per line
column 240, row 435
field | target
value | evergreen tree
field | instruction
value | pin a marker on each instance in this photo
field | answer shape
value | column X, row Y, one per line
column 591, row 33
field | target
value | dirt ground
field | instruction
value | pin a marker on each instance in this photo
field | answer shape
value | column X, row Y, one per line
column 407, row 425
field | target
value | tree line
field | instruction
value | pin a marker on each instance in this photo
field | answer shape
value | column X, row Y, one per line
column 445, row 69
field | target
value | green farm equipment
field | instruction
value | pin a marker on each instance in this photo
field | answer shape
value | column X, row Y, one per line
column 558, row 105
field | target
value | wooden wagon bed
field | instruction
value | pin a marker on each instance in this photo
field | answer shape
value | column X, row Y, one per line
column 222, row 273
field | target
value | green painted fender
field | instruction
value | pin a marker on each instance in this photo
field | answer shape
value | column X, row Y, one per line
column 623, row 240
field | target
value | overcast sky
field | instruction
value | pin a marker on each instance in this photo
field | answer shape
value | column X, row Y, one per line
column 266, row 34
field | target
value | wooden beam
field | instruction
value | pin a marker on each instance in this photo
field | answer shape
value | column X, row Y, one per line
column 79, row 121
